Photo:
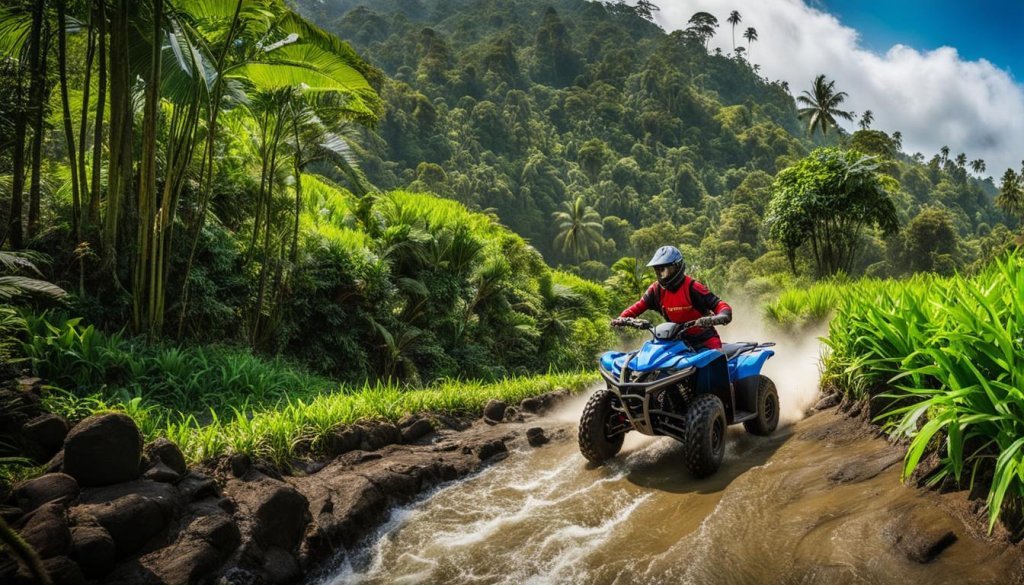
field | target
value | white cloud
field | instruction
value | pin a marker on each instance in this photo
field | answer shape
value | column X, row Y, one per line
column 934, row 98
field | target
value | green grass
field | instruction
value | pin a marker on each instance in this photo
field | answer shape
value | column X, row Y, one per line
column 797, row 309
column 274, row 433
column 950, row 353
column 193, row 379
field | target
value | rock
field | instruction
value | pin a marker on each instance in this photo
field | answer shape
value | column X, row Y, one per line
column 512, row 414
column 10, row 514
column 453, row 423
column 64, row 571
column 280, row 566
column 341, row 441
column 48, row 431
column 167, row 452
column 920, row 534
column 379, row 435
column 240, row 464
column 827, row 402
column 194, row 487
column 535, row 437
column 198, row 551
column 103, row 449
column 417, row 430
column 31, row 494
column 93, row 549
column 132, row 513
column 494, row 411
column 533, row 405
column 407, row 421
column 491, row 449
column 278, row 512
column 46, row 530
column 162, row 473
column 56, row 463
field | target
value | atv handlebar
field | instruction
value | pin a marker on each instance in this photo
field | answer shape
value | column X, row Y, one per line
column 631, row 322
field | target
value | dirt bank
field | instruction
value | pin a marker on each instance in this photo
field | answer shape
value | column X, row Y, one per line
column 114, row 511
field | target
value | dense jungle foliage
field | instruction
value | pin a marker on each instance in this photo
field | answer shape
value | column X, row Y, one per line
column 559, row 113
column 225, row 171
column 189, row 169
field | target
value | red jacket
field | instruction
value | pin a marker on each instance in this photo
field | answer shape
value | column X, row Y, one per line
column 691, row 301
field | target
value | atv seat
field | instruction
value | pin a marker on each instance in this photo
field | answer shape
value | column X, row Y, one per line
column 732, row 349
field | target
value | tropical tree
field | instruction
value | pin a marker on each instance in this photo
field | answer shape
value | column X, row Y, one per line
column 751, row 35
column 897, row 138
column 627, row 281
column 646, row 9
column 702, row 26
column 827, row 200
column 1011, row 194
column 734, row 19
column 866, row 119
column 821, row 105
column 978, row 166
column 961, row 160
column 944, row 151
column 579, row 229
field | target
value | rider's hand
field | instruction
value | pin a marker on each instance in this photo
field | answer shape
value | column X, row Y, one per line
column 618, row 322
column 705, row 322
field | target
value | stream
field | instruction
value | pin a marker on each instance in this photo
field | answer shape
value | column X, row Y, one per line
column 819, row 501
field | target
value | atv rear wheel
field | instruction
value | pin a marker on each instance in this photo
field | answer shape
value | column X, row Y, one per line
column 767, row 409
column 602, row 428
column 705, row 435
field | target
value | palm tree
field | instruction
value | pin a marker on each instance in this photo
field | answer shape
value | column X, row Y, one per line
column 897, row 138
column 13, row 286
column 866, row 119
column 961, row 160
column 1011, row 195
column 579, row 229
column 822, row 105
column 734, row 19
column 627, row 278
column 978, row 166
column 944, row 151
column 751, row 35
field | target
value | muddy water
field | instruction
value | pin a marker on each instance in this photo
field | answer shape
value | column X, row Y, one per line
column 818, row 502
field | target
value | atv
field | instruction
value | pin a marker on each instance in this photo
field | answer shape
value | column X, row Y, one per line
column 668, row 388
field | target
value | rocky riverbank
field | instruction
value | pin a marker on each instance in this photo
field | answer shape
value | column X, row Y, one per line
column 113, row 510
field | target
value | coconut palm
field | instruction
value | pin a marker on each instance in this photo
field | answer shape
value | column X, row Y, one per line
column 734, row 19
column 751, row 35
column 944, row 151
column 978, row 166
column 1011, row 194
column 866, row 119
column 961, row 160
column 579, row 229
column 897, row 138
column 821, row 105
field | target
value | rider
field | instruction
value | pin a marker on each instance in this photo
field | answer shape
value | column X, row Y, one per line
column 681, row 299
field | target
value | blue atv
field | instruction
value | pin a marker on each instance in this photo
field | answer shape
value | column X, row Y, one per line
column 669, row 388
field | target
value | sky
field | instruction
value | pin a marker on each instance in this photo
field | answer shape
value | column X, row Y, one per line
column 941, row 72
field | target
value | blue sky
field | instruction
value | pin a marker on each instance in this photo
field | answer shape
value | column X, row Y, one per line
column 941, row 73
column 983, row 29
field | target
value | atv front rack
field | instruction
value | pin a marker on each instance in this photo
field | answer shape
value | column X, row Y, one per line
column 636, row 398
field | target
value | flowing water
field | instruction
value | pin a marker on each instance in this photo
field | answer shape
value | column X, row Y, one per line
column 817, row 502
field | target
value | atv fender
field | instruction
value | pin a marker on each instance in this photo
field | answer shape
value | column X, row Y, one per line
column 750, row 364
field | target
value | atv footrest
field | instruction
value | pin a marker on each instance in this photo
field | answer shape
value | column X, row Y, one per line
column 742, row 415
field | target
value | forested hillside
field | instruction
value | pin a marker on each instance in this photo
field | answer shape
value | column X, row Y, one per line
column 599, row 136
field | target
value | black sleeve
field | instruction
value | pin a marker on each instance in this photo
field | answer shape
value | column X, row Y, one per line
column 652, row 297
column 702, row 298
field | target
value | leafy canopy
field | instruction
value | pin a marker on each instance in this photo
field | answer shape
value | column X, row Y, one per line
column 826, row 200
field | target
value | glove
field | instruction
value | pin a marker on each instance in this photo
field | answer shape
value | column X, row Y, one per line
column 704, row 322
column 711, row 321
column 618, row 322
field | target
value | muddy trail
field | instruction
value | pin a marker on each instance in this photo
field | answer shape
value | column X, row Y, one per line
column 820, row 501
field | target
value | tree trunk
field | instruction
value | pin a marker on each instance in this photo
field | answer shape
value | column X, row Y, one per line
column 119, row 175
column 101, row 95
column 14, row 227
column 83, row 177
column 206, row 171
column 37, row 92
column 69, row 134
column 146, row 261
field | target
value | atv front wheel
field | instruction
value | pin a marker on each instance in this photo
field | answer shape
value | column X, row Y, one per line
column 602, row 428
column 767, row 409
column 705, row 435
